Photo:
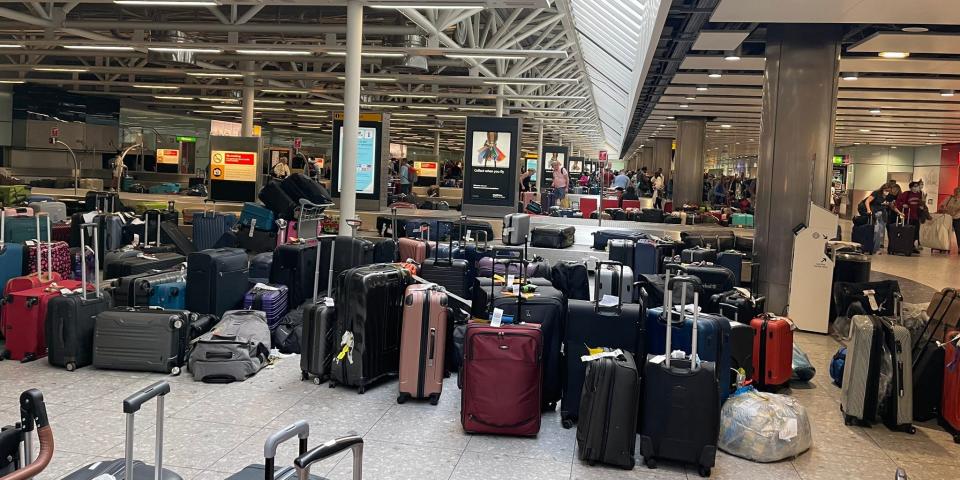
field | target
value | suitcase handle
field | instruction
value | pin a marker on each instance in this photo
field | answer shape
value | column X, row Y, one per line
column 299, row 429
column 683, row 281
column 333, row 447
column 49, row 247
column 596, row 283
column 96, row 259
column 131, row 405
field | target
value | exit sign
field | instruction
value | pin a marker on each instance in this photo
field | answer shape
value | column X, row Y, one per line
column 185, row 139
column 602, row 156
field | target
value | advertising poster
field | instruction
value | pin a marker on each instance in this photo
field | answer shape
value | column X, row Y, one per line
column 491, row 157
column 532, row 165
column 233, row 166
column 576, row 166
column 493, row 150
column 551, row 154
column 168, row 156
column 366, row 160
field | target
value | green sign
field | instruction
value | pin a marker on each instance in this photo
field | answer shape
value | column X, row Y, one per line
column 838, row 159
column 183, row 139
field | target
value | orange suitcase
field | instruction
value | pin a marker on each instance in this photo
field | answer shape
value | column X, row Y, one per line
column 772, row 350
column 950, row 405
column 423, row 343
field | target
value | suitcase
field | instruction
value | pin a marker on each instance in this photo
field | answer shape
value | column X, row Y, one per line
column 928, row 358
column 216, row 280
column 71, row 319
column 169, row 296
column 14, row 212
column 548, row 308
column 572, row 279
column 137, row 289
column 293, row 265
column 103, row 201
column 617, row 280
column 21, row 229
column 277, row 200
column 269, row 299
column 11, row 261
column 298, row 186
column 56, row 210
column 60, row 232
column 260, row 267
column 616, row 213
column 142, row 263
column 123, row 467
column 501, row 378
column 950, row 404
column 300, row 430
column 181, row 243
column 142, row 339
column 901, row 238
column 602, row 237
column 714, row 279
column 733, row 261
column 859, row 397
column 56, row 252
column 369, row 302
column 864, row 235
column 423, row 343
column 516, row 229
column 606, row 432
column 622, row 250
column 465, row 228
column 650, row 215
column 772, row 351
column 648, row 256
column 484, row 289
column 851, row 267
column 897, row 412
column 257, row 216
column 741, row 351
column 741, row 220
column 877, row 298
column 165, row 188
column 257, row 241
column 436, row 230
column 209, row 226
column 935, row 233
column 591, row 325
column 319, row 326
column 681, row 406
column 451, row 273
column 739, row 305
column 552, row 236
column 698, row 254
column 718, row 242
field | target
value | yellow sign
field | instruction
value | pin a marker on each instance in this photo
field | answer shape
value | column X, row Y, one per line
column 364, row 117
column 168, row 156
column 426, row 169
column 233, row 166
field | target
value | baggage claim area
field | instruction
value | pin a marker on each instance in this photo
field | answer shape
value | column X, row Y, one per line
column 476, row 239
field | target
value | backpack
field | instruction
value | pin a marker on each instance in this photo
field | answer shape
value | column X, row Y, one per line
column 836, row 366
column 236, row 348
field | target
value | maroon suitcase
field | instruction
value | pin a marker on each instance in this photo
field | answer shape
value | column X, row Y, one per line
column 423, row 343
column 502, row 379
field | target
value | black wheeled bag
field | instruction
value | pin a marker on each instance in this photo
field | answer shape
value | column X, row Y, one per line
column 293, row 265
column 135, row 290
column 142, row 263
column 552, row 236
column 277, row 200
column 601, row 237
column 450, row 273
column 299, row 186
column 217, row 280
column 571, row 278
column 606, row 431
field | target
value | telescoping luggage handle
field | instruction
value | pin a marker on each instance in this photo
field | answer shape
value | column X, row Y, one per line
column 436, row 254
column 299, row 429
column 694, row 282
column 146, row 226
column 131, row 405
column 506, row 262
column 101, row 199
column 49, row 243
column 596, row 283
column 83, row 259
column 316, row 269
column 327, row 450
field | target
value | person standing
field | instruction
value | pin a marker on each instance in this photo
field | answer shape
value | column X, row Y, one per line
column 872, row 207
column 951, row 206
column 281, row 170
column 406, row 185
column 908, row 205
column 658, row 189
column 621, row 181
column 560, row 180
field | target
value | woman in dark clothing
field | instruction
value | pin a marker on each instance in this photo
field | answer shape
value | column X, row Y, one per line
column 630, row 193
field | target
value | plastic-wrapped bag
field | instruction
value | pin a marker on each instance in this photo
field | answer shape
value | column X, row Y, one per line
column 913, row 316
column 803, row 370
column 764, row 427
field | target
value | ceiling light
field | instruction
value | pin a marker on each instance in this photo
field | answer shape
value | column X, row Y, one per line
column 168, row 3
column 515, row 82
column 109, row 48
column 218, row 99
column 402, row 114
column 274, row 52
column 227, row 107
column 932, row 135
column 184, row 49
column 946, row 93
column 702, row 88
column 732, row 56
column 893, row 146
column 914, row 30
column 280, row 123
column 215, row 74
column 10, row 45
column 894, row 54
column 372, row 79
column 714, row 74
column 416, row 6
column 477, row 109
column 850, row 76
column 411, row 95
column 856, row 143
column 341, row 53
column 156, row 87
column 269, row 109
column 263, row 100
column 691, row 98
column 684, row 105
column 61, row 69
column 865, row 130
column 875, row 111
column 171, row 97
column 725, row 125
column 480, row 56
column 12, row 81
column 427, row 107
column 327, row 104
column 287, row 90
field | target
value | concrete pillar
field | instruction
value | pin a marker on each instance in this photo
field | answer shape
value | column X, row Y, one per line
column 351, row 114
column 436, row 145
column 246, row 122
column 688, row 173
column 662, row 157
column 645, row 159
column 796, row 144
column 500, row 90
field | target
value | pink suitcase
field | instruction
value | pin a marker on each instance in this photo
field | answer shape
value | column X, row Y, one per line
column 423, row 343
column 18, row 211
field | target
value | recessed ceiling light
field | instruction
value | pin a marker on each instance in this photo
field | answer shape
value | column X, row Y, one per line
column 327, row 104
column 856, row 143
column 946, row 93
column 932, row 135
column 184, row 49
column 218, row 99
column 875, row 111
column 107, row 48
column 215, row 74
column 684, row 105
column 850, row 76
column 725, row 125
column 10, row 45
column 171, row 97
column 915, row 30
column 670, row 118
column 894, row 54
column 714, row 74
column 372, row 79
column 156, row 87
column 411, row 95
column 864, row 130
column 702, row 88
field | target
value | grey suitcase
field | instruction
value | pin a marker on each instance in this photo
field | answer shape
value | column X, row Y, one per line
column 234, row 350
column 117, row 469
column 268, row 470
column 617, row 280
column 859, row 398
column 143, row 339
column 898, row 406
column 516, row 229
column 56, row 210
column 606, row 431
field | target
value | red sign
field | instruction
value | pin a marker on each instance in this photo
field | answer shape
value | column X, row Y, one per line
column 297, row 142
column 602, row 156
column 55, row 132
column 239, row 158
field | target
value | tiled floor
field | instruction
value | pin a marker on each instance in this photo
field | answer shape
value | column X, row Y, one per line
column 215, row 430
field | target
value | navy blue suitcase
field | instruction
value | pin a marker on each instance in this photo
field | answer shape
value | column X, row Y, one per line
column 260, row 266
column 601, row 237
column 272, row 300
column 438, row 230
column 646, row 257
column 209, row 226
column 713, row 341
column 217, row 280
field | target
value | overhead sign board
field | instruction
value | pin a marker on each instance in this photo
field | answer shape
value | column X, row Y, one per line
column 364, row 117
column 602, row 156
column 168, row 156
column 55, row 132
column 186, row 139
column 233, row 166
column 426, row 169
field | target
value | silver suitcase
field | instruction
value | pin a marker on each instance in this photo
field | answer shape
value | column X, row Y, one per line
column 898, row 405
column 56, row 210
column 859, row 396
column 618, row 281
column 516, row 228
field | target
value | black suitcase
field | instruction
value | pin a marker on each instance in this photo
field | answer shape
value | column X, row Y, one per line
column 714, row 279
column 606, row 432
column 650, row 215
column 71, row 318
column 135, row 290
column 385, row 228
column 681, row 406
column 352, row 252
column 901, row 239
column 622, row 250
column 880, row 294
column 143, row 339
column 293, row 265
column 552, row 236
column 738, row 307
column 865, row 236
column 571, row 278
column 718, row 241
column 318, row 328
column 591, row 325
column 698, row 254
column 142, row 263
column 547, row 307
column 299, row 186
column 217, row 280
column 601, row 237
column 181, row 243
column 741, row 349
column 450, row 273
column 369, row 302
column 484, row 289
column 103, row 201
column 928, row 359
column 276, row 199
column 465, row 227
column 256, row 241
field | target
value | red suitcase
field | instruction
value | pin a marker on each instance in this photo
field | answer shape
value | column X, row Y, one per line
column 772, row 350
column 423, row 343
column 24, row 314
column 502, row 379
column 950, row 401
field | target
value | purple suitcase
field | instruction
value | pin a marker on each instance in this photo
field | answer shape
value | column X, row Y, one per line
column 271, row 300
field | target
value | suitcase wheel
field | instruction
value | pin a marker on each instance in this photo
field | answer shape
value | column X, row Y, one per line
column 434, row 399
column 650, row 462
column 361, row 389
column 403, row 397
column 956, row 438
column 71, row 366
column 567, row 423
column 175, row 371
column 704, row 471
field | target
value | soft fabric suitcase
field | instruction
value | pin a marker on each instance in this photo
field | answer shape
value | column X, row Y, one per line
column 236, row 348
column 257, row 216
column 591, row 325
column 13, row 194
column 127, row 467
column 293, row 265
column 451, row 273
column 466, row 228
column 617, row 280
column 260, row 267
column 602, row 237
column 742, row 337
column 935, row 233
column 209, row 226
column 516, row 229
column 216, row 280
column 56, row 252
column 60, row 232
column 369, row 302
column 714, row 279
column 572, row 279
column 501, row 378
column 851, row 267
column 142, row 339
column 103, row 201
column 650, row 215
column 434, row 230
column 901, row 238
column 552, row 236
column 269, row 299
column 24, row 317
column 950, row 404
column 56, row 210
column 864, row 235
column 739, row 305
column 423, row 343
column 681, row 406
column 718, row 241
column 300, row 186
column 256, row 241
column 277, row 200
column 878, row 298
column 137, row 289
column 772, row 351
column 169, row 296
column 859, row 396
column 698, row 254
column 606, row 431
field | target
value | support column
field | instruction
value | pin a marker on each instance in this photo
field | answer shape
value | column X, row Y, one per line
column 246, row 123
column 663, row 156
column 351, row 114
column 500, row 91
column 436, row 145
column 688, row 174
column 645, row 159
column 540, row 149
column 796, row 144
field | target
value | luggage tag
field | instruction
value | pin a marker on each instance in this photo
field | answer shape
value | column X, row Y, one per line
column 601, row 354
column 872, row 298
column 496, row 319
column 347, row 351
column 609, row 301
column 89, row 216
column 264, row 286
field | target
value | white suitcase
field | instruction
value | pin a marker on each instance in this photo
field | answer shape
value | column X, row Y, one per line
column 617, row 281
column 516, row 229
column 56, row 210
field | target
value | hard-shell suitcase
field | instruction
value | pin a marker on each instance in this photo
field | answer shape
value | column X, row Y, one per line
column 436, row 230
column 601, row 237
column 276, row 199
column 681, row 405
column 209, row 226
column 169, row 296
column 414, row 244
column 293, row 265
column 136, row 290
column 851, row 267
column 269, row 299
column 648, row 256
column 622, row 250
column 516, row 229
column 772, row 350
column 501, row 378
column 901, row 238
column 733, row 261
column 269, row 470
column 56, row 210
column 142, row 263
column 741, row 220
column 698, row 254
column 484, row 289
column 319, row 325
column 950, row 404
column 617, row 280
column 300, row 186
column 606, row 431
column 369, row 303
column 449, row 272
column 552, row 236
column 423, row 343
column 71, row 319
column 257, row 216
column 859, row 396
column 128, row 468
column 571, row 278
column 897, row 411
column 165, row 188
column 216, row 280
column 256, row 241
column 143, row 339
column 929, row 353
column 465, row 228
column 592, row 325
